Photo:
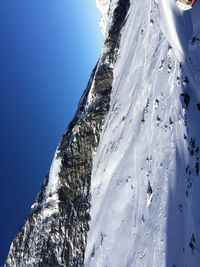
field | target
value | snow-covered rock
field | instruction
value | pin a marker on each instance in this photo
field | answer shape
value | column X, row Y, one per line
column 55, row 232
column 103, row 6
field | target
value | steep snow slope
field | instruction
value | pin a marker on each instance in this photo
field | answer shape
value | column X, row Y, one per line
column 145, row 181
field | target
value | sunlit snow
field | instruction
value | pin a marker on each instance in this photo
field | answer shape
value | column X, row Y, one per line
column 150, row 135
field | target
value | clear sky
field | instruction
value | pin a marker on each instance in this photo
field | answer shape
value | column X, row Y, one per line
column 48, row 49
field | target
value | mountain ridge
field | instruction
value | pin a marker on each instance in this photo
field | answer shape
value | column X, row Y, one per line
column 55, row 232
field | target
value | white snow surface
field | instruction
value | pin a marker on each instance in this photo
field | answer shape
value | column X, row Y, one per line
column 150, row 135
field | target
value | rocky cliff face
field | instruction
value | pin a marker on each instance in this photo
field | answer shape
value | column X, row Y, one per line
column 123, row 188
column 55, row 232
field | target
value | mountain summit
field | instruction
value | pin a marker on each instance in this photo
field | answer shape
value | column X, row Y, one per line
column 123, row 187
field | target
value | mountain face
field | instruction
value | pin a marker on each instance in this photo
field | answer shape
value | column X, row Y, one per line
column 55, row 232
column 123, row 187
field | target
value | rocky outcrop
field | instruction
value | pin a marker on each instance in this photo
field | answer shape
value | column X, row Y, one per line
column 55, row 232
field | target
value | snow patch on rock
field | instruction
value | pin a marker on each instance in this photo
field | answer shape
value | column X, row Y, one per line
column 103, row 6
column 53, row 182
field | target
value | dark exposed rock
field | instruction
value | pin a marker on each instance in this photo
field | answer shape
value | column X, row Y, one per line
column 197, row 168
column 186, row 99
column 59, row 238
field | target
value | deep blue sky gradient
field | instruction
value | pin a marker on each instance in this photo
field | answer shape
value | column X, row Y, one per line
column 48, row 49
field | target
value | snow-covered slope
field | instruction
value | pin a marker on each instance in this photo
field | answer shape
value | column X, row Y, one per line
column 145, row 180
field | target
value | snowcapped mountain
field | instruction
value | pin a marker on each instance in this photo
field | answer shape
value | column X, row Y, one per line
column 123, row 188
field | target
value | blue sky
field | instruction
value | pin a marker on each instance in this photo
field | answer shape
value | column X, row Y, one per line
column 48, row 49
